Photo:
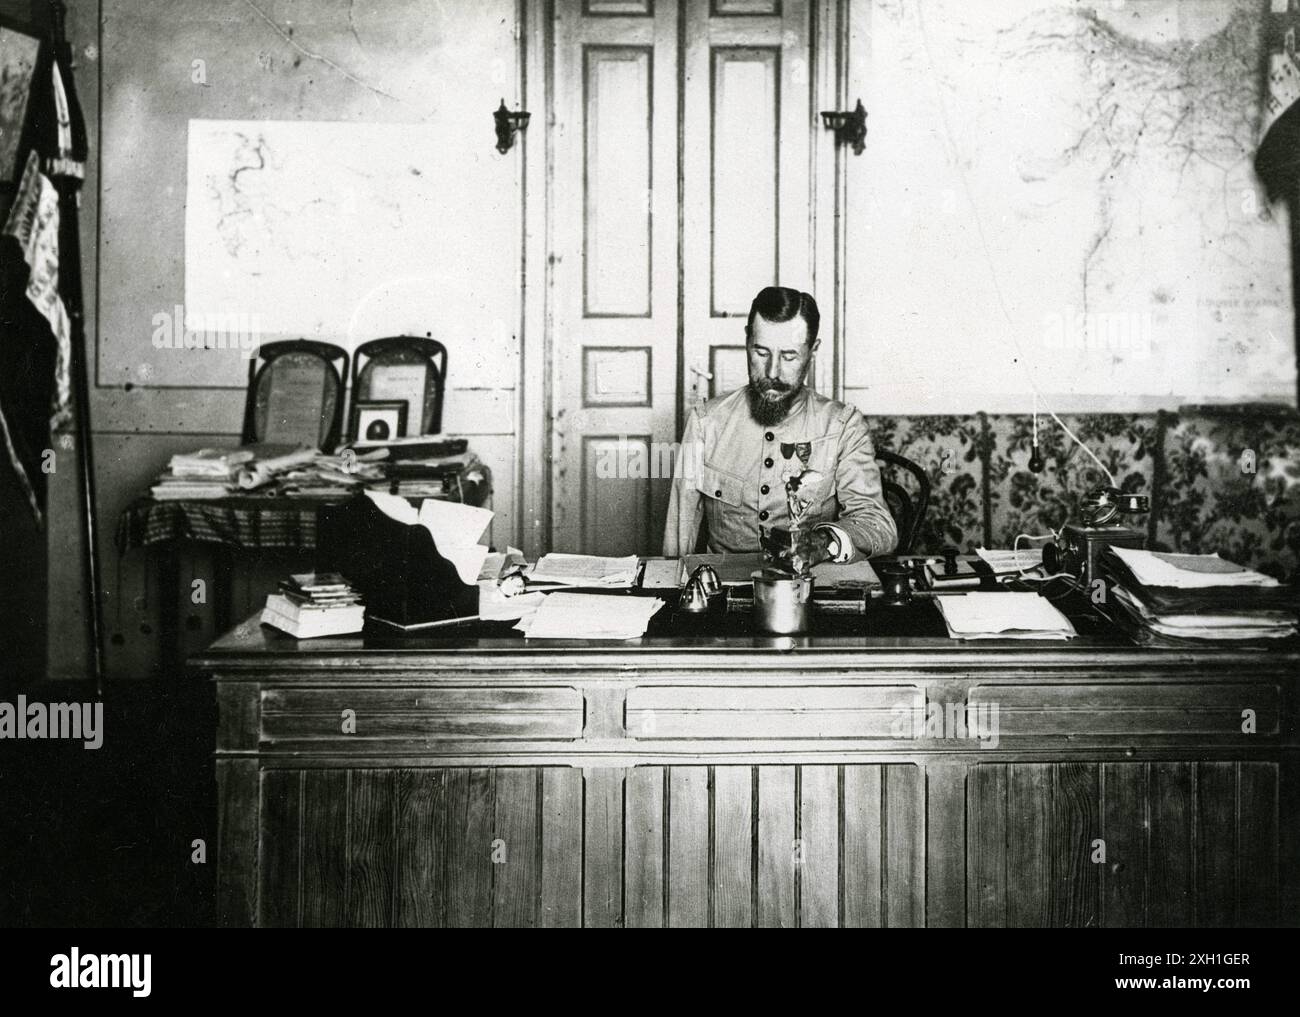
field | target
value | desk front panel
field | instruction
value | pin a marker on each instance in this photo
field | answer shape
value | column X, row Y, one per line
column 841, row 789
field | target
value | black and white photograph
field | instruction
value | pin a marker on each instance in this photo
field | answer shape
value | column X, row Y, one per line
column 618, row 464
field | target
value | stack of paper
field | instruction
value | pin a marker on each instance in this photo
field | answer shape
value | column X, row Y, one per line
column 590, row 616
column 1188, row 571
column 1181, row 599
column 207, row 473
column 998, row 615
column 585, row 570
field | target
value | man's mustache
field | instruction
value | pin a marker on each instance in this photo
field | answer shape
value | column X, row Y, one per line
column 772, row 385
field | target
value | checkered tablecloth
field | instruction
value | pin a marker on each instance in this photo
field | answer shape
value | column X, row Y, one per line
column 253, row 522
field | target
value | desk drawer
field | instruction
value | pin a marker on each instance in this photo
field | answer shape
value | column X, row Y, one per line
column 1164, row 709
column 404, row 714
column 685, row 711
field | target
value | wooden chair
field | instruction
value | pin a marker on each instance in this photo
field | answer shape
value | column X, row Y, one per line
column 908, row 512
column 278, row 371
column 404, row 351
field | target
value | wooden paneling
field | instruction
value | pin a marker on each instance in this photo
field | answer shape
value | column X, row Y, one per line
column 644, row 839
column 514, row 849
column 617, row 376
column 688, row 846
column 562, row 842
column 1030, row 709
column 420, row 813
column 1033, row 859
column 603, row 8
column 903, row 879
column 749, row 712
column 728, row 369
column 421, row 714
column 734, row 860
column 820, row 846
column 863, row 841
column 618, row 92
column 722, row 8
column 602, row 878
column 324, row 831
column 616, row 516
column 371, row 849
column 744, row 116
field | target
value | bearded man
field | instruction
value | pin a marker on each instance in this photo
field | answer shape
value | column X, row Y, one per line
column 739, row 450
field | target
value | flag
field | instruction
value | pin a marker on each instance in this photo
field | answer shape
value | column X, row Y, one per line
column 35, row 331
column 1277, row 160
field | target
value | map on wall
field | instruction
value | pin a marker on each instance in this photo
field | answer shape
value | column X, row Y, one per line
column 320, row 230
column 1064, row 192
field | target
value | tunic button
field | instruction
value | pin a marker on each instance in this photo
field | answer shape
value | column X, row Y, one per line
column 764, row 489
column 768, row 462
column 717, row 493
column 770, row 436
column 763, row 516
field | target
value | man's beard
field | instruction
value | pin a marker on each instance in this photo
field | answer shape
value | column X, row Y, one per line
column 766, row 410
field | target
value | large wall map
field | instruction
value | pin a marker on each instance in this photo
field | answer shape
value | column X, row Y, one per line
column 1068, row 188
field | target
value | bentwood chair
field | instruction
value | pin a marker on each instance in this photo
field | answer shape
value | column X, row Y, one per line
column 295, row 394
column 403, row 368
column 908, row 510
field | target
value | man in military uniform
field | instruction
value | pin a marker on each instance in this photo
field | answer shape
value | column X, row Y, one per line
column 739, row 450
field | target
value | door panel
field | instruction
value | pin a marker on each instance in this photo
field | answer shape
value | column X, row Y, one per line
column 614, row 274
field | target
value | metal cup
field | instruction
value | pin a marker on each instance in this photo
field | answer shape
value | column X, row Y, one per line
column 782, row 603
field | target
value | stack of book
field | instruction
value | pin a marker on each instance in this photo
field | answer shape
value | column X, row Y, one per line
column 1186, row 599
column 315, row 604
column 207, row 473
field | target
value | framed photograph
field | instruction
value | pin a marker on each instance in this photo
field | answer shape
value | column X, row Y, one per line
column 376, row 420
column 19, row 53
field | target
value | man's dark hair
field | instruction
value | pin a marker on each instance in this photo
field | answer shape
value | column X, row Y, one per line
column 779, row 304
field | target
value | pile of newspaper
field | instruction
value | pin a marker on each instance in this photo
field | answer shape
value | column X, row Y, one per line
column 207, row 473
column 1182, row 599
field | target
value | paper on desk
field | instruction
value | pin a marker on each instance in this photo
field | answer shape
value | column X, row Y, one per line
column 493, row 605
column 585, row 570
column 590, row 616
column 662, row 574
column 394, row 506
column 1003, row 616
column 455, row 528
column 1188, row 571
column 1004, row 562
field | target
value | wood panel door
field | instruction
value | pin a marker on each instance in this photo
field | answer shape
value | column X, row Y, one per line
column 679, row 186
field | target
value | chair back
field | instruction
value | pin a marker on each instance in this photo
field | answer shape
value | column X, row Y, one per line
column 908, row 510
column 381, row 371
column 295, row 394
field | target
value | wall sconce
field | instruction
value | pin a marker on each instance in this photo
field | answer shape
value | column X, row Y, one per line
column 850, row 128
column 509, row 123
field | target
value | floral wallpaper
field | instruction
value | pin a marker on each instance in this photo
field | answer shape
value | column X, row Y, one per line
column 1226, row 482
column 947, row 448
column 1233, row 486
column 1036, row 503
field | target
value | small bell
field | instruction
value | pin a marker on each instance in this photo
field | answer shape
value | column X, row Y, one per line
column 693, row 599
column 709, row 581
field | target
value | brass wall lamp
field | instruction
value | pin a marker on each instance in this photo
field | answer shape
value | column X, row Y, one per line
column 849, row 127
column 509, row 123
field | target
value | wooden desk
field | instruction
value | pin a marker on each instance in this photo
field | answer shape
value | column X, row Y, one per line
column 483, row 780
